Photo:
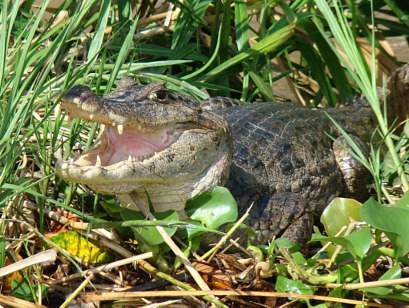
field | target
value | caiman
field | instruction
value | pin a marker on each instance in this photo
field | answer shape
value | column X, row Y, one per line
column 287, row 160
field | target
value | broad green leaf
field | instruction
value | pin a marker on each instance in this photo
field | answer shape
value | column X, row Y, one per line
column 214, row 208
column 357, row 243
column 298, row 258
column 390, row 219
column 339, row 213
column 149, row 234
column 284, row 284
column 81, row 247
column 194, row 229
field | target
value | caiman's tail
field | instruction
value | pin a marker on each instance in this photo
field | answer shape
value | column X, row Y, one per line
column 398, row 97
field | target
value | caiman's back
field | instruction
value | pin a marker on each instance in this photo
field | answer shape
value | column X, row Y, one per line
column 284, row 162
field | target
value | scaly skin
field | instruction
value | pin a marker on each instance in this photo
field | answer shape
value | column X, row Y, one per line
column 283, row 159
column 285, row 164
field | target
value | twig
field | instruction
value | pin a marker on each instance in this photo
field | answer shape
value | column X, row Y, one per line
column 77, row 291
column 150, row 32
column 147, row 20
column 370, row 284
column 42, row 257
column 241, row 248
column 169, row 15
column 214, row 250
column 163, row 304
column 105, row 267
column 11, row 301
column 110, row 296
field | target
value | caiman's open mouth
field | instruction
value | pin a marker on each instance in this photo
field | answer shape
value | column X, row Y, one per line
column 117, row 144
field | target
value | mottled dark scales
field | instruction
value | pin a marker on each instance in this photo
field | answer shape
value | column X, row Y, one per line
column 281, row 156
column 285, row 165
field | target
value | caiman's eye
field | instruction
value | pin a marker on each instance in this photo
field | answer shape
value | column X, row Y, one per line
column 160, row 95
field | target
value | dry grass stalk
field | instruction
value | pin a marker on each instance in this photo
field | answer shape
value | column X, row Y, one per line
column 42, row 257
column 11, row 301
column 110, row 296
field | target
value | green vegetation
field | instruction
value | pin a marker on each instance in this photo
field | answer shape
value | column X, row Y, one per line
column 319, row 52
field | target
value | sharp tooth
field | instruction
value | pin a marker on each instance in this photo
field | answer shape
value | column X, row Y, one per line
column 130, row 158
column 120, row 129
column 67, row 117
column 91, row 116
column 113, row 124
column 76, row 100
column 98, row 161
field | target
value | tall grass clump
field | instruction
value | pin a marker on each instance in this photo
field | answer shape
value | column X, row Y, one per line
column 343, row 42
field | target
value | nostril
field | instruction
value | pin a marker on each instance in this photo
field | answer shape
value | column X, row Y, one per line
column 77, row 92
column 82, row 97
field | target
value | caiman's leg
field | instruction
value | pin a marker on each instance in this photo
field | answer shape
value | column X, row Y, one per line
column 138, row 203
column 300, row 229
column 355, row 175
column 283, row 214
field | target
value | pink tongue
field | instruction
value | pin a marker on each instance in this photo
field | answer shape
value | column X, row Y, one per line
column 136, row 144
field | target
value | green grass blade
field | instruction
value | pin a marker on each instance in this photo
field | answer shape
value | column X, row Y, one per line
column 241, row 21
column 264, row 88
column 122, row 54
column 358, row 70
column 317, row 67
column 3, row 40
column 21, row 64
column 188, row 21
column 267, row 44
column 97, row 41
